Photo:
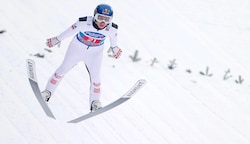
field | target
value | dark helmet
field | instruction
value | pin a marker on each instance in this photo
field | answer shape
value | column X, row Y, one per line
column 104, row 11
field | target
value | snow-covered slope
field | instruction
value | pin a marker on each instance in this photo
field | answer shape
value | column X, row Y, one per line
column 178, row 106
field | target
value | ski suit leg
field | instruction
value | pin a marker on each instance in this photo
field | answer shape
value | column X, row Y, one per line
column 93, row 66
column 72, row 57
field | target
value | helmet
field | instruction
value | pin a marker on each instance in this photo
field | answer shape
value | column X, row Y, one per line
column 103, row 13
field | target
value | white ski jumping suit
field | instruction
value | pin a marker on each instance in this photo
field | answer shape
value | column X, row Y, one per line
column 87, row 46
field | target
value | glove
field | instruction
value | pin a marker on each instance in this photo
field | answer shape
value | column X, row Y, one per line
column 52, row 42
column 116, row 51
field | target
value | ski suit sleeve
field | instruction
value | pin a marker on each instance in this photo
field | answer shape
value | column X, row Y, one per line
column 113, row 35
column 69, row 32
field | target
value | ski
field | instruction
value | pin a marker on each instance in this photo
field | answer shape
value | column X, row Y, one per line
column 31, row 69
column 139, row 84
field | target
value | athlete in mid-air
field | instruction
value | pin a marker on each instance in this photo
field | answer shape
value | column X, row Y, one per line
column 87, row 46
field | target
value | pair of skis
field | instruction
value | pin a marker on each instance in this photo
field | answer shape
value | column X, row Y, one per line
column 31, row 68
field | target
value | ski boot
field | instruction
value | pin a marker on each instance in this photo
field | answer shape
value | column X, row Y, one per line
column 95, row 105
column 46, row 95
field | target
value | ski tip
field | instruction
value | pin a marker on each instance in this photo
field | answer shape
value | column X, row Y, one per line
column 30, row 60
column 31, row 68
column 139, row 84
column 143, row 80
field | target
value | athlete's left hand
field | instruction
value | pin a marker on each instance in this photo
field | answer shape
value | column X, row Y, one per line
column 116, row 51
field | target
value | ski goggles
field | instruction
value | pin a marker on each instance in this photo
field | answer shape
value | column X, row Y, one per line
column 103, row 18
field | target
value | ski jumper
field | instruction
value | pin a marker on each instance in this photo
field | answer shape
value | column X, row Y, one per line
column 87, row 46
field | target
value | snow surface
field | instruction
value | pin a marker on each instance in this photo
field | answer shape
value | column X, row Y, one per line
column 175, row 107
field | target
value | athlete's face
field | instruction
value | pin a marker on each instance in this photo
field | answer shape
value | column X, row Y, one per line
column 102, row 20
column 101, row 25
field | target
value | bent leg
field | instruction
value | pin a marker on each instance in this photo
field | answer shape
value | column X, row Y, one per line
column 70, row 60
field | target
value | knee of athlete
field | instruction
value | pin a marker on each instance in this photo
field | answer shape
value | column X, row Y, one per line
column 96, row 87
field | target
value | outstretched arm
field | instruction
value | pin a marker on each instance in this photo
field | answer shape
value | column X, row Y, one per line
column 67, row 33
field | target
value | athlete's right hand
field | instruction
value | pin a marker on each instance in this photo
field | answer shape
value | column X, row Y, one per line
column 52, row 42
